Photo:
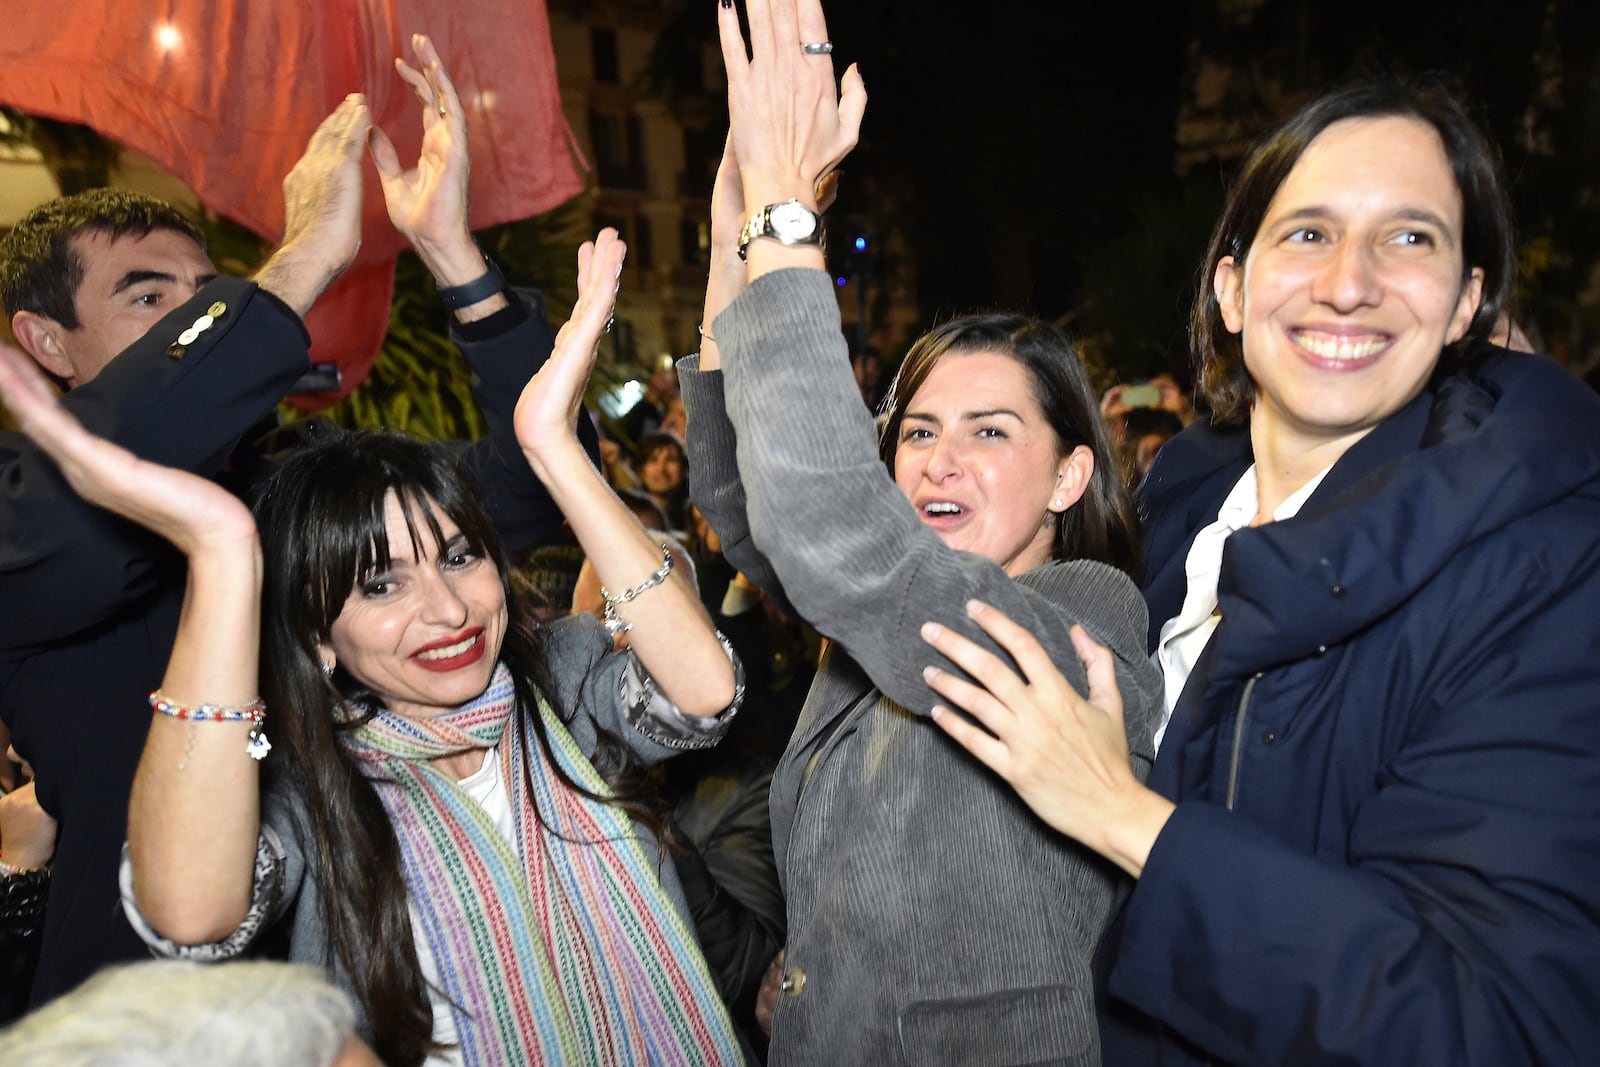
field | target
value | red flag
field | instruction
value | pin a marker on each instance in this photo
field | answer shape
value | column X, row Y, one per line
column 225, row 93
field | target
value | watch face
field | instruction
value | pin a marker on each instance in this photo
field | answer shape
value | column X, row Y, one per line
column 791, row 222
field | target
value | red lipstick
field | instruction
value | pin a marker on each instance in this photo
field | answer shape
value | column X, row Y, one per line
column 465, row 658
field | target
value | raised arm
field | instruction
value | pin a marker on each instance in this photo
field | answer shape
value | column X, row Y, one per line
column 713, row 475
column 788, row 133
column 180, row 397
column 714, row 483
column 670, row 630
column 504, row 336
column 854, row 557
column 428, row 202
column 321, row 208
column 194, row 814
column 791, row 124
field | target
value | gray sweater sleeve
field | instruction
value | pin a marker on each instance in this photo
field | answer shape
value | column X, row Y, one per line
column 714, row 483
column 852, row 553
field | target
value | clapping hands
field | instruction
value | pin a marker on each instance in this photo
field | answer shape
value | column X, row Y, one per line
column 428, row 202
column 550, row 403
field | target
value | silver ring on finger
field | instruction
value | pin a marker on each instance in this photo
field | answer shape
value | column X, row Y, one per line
column 819, row 48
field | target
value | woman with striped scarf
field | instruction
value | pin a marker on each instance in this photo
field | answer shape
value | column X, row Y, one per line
column 445, row 825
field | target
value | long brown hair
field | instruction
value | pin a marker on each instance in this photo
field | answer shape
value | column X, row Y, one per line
column 323, row 528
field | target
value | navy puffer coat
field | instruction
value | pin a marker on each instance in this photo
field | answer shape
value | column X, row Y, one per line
column 1387, row 764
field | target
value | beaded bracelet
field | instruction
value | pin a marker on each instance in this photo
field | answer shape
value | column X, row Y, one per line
column 616, row 625
column 255, row 713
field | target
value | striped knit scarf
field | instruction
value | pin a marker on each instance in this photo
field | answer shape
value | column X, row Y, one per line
column 564, row 949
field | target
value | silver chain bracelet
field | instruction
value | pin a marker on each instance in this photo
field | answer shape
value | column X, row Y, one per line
column 616, row 624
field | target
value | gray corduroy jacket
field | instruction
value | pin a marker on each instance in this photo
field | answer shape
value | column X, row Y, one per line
column 935, row 919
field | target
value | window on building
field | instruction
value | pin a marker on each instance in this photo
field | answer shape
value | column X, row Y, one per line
column 694, row 240
column 642, row 248
column 636, row 171
column 616, row 222
column 702, row 151
column 618, row 150
column 603, row 52
column 636, row 231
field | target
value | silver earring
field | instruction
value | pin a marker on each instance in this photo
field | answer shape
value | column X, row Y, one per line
column 327, row 669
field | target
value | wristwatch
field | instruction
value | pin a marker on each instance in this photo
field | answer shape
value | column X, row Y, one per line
column 790, row 222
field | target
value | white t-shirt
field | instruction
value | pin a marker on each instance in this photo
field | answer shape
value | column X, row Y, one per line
column 1185, row 636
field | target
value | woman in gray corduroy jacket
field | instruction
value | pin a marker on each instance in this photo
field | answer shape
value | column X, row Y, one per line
column 932, row 919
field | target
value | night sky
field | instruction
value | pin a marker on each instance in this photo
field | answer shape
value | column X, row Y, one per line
column 1027, row 153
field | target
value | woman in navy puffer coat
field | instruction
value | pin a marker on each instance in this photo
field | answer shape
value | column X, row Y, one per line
column 1371, row 834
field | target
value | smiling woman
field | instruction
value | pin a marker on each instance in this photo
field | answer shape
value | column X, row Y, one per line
column 395, row 638
column 447, row 823
column 931, row 918
column 1353, row 286
column 1372, row 599
column 425, row 619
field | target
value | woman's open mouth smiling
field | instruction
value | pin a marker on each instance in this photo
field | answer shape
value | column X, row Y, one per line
column 452, row 653
column 1340, row 349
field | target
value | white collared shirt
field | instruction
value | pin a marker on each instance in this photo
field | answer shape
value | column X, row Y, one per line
column 1185, row 635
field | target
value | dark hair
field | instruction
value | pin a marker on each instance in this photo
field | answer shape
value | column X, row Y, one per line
column 1486, row 221
column 1102, row 525
column 322, row 523
column 659, row 440
column 40, row 271
column 675, row 505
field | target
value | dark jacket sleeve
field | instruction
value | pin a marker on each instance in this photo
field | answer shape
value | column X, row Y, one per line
column 185, row 406
column 1453, row 919
column 505, row 351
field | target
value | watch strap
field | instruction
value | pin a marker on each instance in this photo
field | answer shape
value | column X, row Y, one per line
column 456, row 297
column 754, row 227
column 760, row 225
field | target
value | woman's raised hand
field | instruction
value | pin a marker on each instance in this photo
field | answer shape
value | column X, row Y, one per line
column 1066, row 757
column 186, row 509
column 548, row 409
column 791, row 124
